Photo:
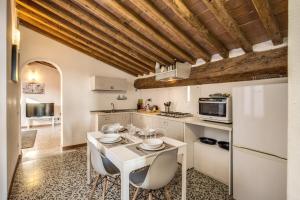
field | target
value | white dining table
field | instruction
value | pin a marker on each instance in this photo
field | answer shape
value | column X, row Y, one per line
column 127, row 160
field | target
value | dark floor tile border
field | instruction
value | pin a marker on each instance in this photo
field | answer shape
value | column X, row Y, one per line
column 65, row 148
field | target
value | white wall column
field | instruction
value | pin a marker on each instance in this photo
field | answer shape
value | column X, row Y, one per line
column 294, row 101
column 3, row 135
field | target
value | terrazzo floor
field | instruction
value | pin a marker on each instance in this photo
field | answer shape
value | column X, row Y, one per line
column 63, row 176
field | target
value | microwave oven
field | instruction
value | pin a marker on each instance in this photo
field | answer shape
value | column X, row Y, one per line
column 217, row 109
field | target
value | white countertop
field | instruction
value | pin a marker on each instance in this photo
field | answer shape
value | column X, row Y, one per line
column 187, row 120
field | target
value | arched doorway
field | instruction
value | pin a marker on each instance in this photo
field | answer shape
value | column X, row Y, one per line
column 41, row 108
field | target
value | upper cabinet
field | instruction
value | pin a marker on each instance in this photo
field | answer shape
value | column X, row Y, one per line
column 100, row 83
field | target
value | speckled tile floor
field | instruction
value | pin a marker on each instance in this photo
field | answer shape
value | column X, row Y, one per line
column 63, row 176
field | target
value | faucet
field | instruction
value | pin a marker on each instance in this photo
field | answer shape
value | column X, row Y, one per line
column 113, row 107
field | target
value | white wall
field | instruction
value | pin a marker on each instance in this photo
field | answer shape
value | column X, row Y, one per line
column 294, row 102
column 76, row 68
column 179, row 95
column 9, row 98
column 3, row 132
column 48, row 76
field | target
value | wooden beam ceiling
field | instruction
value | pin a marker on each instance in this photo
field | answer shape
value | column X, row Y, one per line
column 133, row 35
column 231, row 26
column 94, row 42
column 52, row 27
column 208, row 40
column 267, row 18
column 251, row 66
column 111, row 20
column 73, row 44
column 172, row 32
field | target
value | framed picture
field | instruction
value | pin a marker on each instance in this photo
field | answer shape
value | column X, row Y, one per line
column 15, row 64
column 33, row 88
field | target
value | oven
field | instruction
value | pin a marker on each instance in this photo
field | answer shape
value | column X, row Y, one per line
column 217, row 109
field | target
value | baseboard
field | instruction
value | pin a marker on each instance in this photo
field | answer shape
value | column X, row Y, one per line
column 14, row 174
column 65, row 148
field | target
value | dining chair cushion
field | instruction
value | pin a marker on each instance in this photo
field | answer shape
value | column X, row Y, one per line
column 138, row 177
column 109, row 166
column 160, row 172
column 100, row 163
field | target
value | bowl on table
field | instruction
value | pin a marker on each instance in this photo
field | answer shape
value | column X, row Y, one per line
column 152, row 143
column 110, row 138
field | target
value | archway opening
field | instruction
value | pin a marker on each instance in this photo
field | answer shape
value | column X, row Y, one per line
column 41, row 109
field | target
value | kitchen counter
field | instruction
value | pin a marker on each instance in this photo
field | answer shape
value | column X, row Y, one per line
column 187, row 120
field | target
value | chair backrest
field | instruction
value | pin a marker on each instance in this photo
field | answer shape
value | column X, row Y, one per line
column 97, row 159
column 162, row 170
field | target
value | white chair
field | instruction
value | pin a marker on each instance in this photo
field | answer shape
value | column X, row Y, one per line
column 157, row 175
column 104, row 168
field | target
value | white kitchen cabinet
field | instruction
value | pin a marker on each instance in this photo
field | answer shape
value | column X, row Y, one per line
column 142, row 121
column 122, row 118
column 171, row 128
column 212, row 161
column 100, row 83
column 258, row 176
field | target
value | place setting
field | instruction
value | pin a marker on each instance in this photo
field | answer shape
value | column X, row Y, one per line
column 149, row 146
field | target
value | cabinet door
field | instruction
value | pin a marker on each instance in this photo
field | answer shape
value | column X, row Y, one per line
column 104, row 119
column 170, row 128
column 109, row 119
column 125, row 119
column 175, row 130
column 142, row 121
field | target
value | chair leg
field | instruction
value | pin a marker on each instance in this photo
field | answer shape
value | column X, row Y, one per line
column 136, row 193
column 105, row 182
column 94, row 187
column 167, row 193
column 150, row 196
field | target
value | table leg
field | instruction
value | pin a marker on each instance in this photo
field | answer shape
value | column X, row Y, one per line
column 184, row 168
column 124, row 184
column 88, row 163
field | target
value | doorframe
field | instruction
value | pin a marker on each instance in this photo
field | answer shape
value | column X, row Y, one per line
column 61, row 96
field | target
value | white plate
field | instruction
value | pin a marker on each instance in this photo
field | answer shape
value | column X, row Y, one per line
column 104, row 141
column 110, row 138
column 152, row 143
column 150, row 149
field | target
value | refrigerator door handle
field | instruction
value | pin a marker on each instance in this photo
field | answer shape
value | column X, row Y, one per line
column 253, row 150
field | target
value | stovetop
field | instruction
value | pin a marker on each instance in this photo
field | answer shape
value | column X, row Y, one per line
column 175, row 114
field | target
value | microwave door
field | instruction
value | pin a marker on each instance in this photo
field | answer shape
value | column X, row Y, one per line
column 217, row 109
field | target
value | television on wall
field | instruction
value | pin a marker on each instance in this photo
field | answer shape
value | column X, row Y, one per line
column 39, row 109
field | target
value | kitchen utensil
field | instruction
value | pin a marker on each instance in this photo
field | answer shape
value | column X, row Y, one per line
column 209, row 141
column 223, row 145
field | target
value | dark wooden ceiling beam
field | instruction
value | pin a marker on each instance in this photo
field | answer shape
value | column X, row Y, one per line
column 52, row 28
column 111, row 20
column 180, row 9
column 74, row 45
column 268, row 20
column 251, row 66
column 93, row 30
column 216, row 7
column 44, row 15
column 174, row 34
column 130, row 19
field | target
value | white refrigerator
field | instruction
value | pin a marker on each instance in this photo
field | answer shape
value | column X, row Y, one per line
column 260, row 142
